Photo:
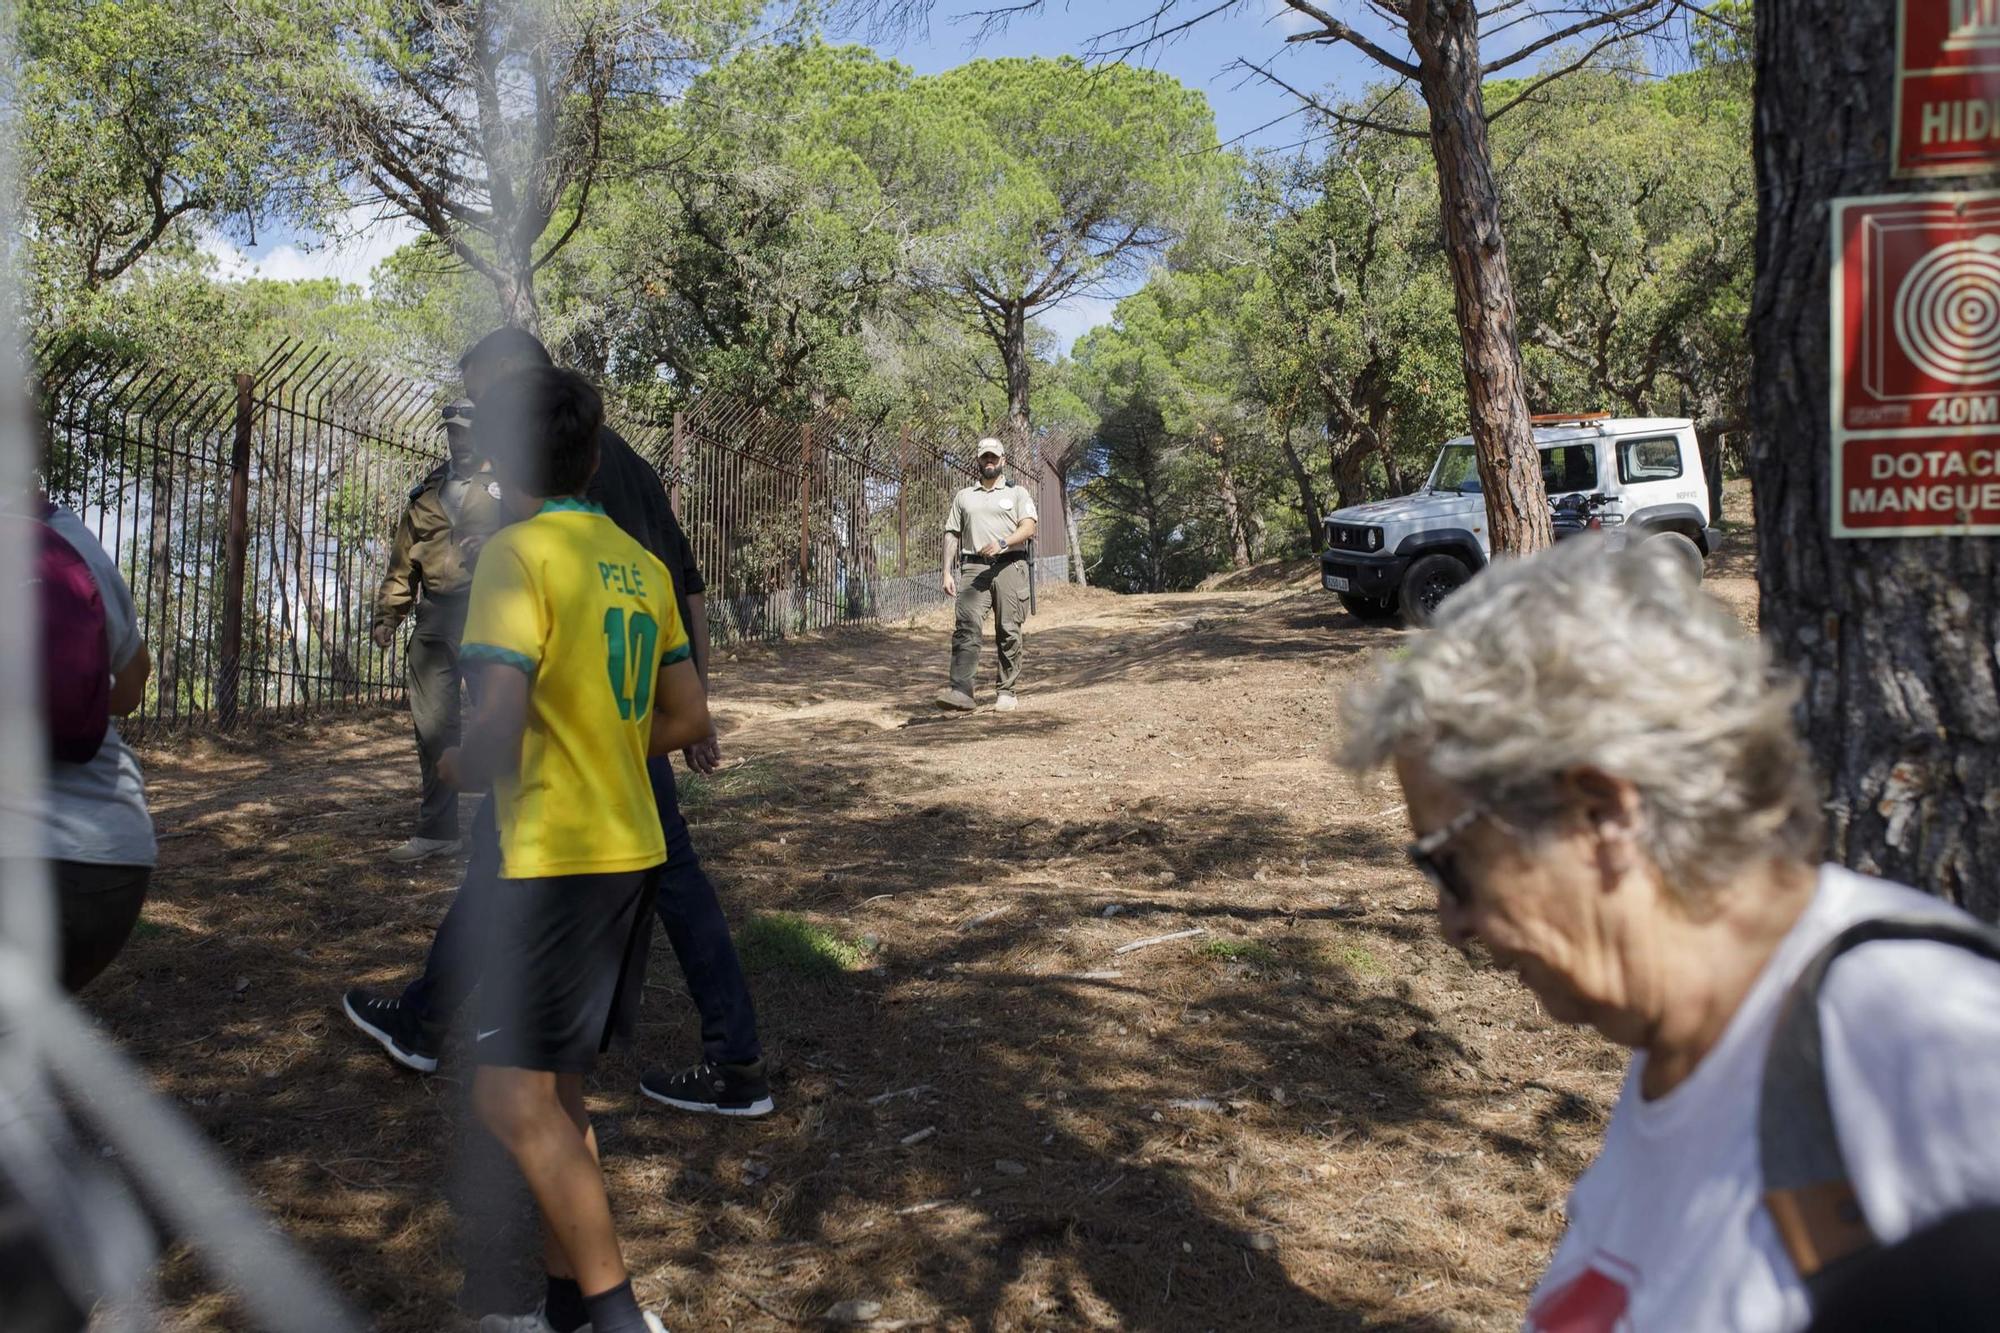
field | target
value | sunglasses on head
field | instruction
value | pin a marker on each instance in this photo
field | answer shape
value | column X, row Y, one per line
column 1427, row 854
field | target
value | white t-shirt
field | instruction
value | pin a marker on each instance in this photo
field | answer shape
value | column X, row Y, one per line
column 1667, row 1229
column 96, row 811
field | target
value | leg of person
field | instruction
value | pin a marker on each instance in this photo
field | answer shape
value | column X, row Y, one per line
column 434, row 704
column 1010, row 615
column 969, row 616
column 564, row 970
column 411, row 1027
column 97, row 906
column 729, row 1080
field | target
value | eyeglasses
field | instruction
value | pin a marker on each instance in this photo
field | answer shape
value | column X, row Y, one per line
column 1426, row 854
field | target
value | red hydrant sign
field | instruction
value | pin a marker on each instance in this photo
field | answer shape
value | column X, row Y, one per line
column 1916, row 365
column 1947, row 87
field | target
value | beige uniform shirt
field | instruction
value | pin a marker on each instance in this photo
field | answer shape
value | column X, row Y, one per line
column 981, row 517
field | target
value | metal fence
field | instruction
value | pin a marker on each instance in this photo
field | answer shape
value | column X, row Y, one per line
column 252, row 514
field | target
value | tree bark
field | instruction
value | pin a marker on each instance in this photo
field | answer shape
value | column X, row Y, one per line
column 1069, row 527
column 1895, row 638
column 1232, row 507
column 1445, row 35
column 1014, row 356
column 1309, row 508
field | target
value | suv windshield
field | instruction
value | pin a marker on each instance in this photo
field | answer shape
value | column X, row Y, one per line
column 1565, row 467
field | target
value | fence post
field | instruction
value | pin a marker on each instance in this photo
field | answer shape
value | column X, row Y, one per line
column 805, row 500
column 680, row 465
column 230, row 659
column 903, row 507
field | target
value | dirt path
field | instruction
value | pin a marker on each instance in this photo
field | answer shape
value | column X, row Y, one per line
column 1312, row 1115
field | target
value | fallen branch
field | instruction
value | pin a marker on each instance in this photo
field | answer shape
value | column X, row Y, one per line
column 881, row 1097
column 1136, row 945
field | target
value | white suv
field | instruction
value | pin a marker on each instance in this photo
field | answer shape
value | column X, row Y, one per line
column 1405, row 556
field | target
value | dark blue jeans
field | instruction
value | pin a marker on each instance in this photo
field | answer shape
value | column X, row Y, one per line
column 688, row 910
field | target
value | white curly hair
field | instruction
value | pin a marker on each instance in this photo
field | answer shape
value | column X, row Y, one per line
column 1584, row 657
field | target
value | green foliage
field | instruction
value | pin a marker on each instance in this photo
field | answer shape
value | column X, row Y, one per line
column 1249, row 952
column 783, row 942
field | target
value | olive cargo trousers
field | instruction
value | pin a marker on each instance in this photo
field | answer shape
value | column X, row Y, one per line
column 1001, row 587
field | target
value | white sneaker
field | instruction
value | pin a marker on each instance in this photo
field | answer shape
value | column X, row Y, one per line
column 958, row 699
column 1006, row 703
column 421, row 849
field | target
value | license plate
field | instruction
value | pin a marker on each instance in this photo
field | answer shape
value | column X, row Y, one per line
column 1335, row 583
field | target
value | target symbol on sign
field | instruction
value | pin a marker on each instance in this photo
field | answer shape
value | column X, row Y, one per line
column 1948, row 312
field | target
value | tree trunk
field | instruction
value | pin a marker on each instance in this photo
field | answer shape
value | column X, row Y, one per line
column 516, row 290
column 1014, row 356
column 1445, row 34
column 1894, row 637
column 1069, row 527
column 1308, row 497
column 1232, row 509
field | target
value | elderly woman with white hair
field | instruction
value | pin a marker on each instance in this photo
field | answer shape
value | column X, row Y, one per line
column 1611, row 798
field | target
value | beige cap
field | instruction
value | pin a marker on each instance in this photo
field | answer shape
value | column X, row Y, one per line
column 989, row 445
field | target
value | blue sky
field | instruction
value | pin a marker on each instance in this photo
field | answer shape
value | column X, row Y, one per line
column 1248, row 110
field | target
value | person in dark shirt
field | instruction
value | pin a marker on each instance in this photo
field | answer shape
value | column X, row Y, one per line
column 729, row 1079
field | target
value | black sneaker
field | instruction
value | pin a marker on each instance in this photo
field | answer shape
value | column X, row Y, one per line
column 406, row 1040
column 712, row 1089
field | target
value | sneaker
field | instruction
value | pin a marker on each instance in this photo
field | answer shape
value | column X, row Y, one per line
column 712, row 1089
column 1006, row 703
column 422, row 849
column 959, row 699
column 406, row 1040
column 535, row 1321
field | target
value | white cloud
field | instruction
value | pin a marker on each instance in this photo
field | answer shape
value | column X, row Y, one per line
column 358, row 241
column 1075, row 316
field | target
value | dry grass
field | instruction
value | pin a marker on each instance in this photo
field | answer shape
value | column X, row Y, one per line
column 1311, row 1116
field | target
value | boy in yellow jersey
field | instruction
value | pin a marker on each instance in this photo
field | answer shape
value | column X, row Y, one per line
column 580, row 668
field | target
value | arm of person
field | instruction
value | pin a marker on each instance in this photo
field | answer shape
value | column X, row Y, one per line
column 680, row 708
column 1911, row 1035
column 492, row 747
column 950, row 562
column 1023, row 533
column 128, row 683
column 705, row 755
column 398, row 592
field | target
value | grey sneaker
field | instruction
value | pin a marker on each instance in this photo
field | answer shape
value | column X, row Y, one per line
column 422, row 849
column 958, row 699
column 1006, row 703
column 535, row 1321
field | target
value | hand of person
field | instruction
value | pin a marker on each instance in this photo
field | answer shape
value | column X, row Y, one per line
column 384, row 635
column 704, row 756
column 992, row 549
column 448, row 767
column 950, row 585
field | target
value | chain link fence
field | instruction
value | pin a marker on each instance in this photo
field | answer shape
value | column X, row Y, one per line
column 252, row 515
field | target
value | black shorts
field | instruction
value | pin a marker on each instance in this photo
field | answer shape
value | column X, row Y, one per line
column 564, row 969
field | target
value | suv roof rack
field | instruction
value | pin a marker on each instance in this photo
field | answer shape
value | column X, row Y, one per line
column 1567, row 418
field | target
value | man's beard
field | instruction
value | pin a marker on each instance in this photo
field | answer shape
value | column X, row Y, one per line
column 990, row 471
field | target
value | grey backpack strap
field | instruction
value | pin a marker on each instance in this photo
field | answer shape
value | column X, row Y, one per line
column 1806, row 1184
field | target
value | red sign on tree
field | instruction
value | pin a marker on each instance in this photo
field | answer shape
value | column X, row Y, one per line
column 1916, row 365
column 1947, row 87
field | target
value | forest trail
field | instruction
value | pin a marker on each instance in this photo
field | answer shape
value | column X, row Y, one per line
column 994, row 1111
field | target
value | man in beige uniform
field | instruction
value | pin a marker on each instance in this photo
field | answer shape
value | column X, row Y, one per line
column 451, row 513
column 986, row 540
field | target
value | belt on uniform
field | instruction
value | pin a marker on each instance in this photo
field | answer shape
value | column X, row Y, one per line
column 993, row 559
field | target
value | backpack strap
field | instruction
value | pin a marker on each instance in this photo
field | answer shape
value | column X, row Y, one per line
column 1807, row 1188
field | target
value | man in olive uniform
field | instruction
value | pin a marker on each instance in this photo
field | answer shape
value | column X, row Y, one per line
column 986, row 538
column 451, row 513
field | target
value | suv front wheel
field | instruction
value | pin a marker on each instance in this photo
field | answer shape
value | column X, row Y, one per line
column 1684, row 549
column 1430, row 580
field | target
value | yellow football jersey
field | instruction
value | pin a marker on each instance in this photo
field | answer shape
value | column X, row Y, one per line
column 589, row 615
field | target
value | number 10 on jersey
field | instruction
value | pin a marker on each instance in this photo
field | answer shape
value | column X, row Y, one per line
column 632, row 644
